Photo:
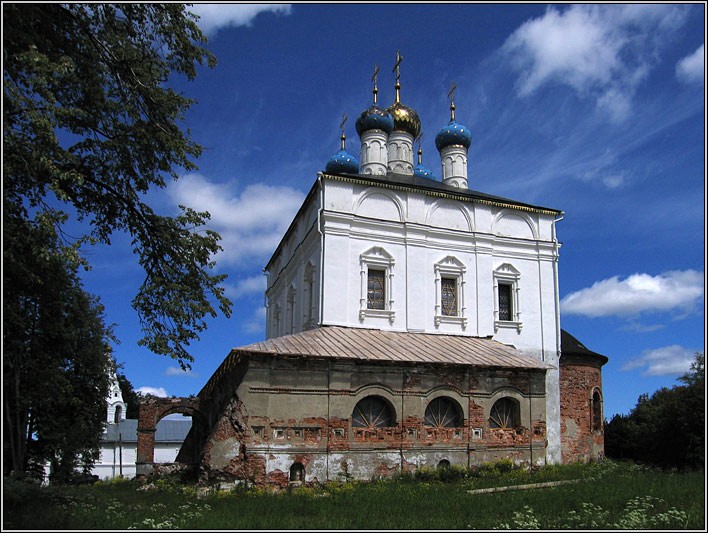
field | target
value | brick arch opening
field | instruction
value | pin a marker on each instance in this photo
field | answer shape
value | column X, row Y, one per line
column 154, row 409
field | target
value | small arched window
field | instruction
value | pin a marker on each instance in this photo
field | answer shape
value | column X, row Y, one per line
column 596, row 411
column 372, row 412
column 118, row 414
column 444, row 464
column 504, row 414
column 297, row 472
column 443, row 413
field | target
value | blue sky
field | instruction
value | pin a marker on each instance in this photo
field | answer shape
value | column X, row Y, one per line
column 596, row 110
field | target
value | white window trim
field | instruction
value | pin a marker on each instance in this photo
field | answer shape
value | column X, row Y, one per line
column 450, row 267
column 506, row 274
column 380, row 259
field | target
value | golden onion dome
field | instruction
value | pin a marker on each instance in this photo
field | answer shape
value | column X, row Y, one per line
column 404, row 118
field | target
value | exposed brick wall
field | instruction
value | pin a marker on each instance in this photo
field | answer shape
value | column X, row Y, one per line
column 249, row 441
column 579, row 377
column 154, row 409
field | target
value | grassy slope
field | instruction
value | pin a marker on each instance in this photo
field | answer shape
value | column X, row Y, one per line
column 600, row 500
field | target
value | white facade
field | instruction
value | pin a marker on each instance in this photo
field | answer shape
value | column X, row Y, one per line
column 118, row 451
column 438, row 257
column 417, row 237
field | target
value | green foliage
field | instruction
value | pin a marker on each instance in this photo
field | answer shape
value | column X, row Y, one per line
column 130, row 396
column 666, row 429
column 56, row 360
column 91, row 125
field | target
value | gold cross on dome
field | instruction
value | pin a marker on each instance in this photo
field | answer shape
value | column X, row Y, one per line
column 375, row 77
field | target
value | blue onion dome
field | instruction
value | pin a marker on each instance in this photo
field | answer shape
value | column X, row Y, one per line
column 374, row 118
column 342, row 162
column 453, row 134
column 421, row 171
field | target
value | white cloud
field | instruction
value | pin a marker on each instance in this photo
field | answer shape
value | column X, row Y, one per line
column 602, row 51
column 665, row 361
column 256, row 324
column 691, row 69
column 214, row 17
column 176, row 371
column 155, row 391
column 247, row 287
column 250, row 224
column 675, row 290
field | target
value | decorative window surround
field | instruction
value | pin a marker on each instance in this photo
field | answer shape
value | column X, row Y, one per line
column 308, row 317
column 377, row 258
column 276, row 321
column 506, row 274
column 450, row 267
column 290, row 312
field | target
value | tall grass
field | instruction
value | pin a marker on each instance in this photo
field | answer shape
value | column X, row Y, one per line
column 609, row 496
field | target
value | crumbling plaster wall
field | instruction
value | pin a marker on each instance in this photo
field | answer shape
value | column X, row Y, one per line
column 298, row 410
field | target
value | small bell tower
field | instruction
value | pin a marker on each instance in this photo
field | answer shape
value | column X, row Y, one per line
column 116, row 407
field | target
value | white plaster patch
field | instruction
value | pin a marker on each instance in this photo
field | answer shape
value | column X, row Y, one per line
column 222, row 452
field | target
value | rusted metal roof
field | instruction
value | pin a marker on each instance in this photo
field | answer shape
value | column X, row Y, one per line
column 392, row 346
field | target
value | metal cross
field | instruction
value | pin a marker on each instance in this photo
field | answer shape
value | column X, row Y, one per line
column 374, row 78
column 344, row 121
column 451, row 94
column 396, row 68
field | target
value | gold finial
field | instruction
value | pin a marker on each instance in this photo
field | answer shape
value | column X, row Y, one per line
column 451, row 96
column 397, row 70
column 341, row 127
column 375, row 78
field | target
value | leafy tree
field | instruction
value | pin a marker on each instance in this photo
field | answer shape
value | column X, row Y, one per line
column 666, row 429
column 90, row 125
column 130, row 396
column 55, row 360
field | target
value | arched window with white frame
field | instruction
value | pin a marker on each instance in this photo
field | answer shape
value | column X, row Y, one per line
column 376, row 300
column 449, row 292
column 507, row 311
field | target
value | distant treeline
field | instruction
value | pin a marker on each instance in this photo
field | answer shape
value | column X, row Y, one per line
column 666, row 429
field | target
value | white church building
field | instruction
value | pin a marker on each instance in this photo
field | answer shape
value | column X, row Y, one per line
column 411, row 322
